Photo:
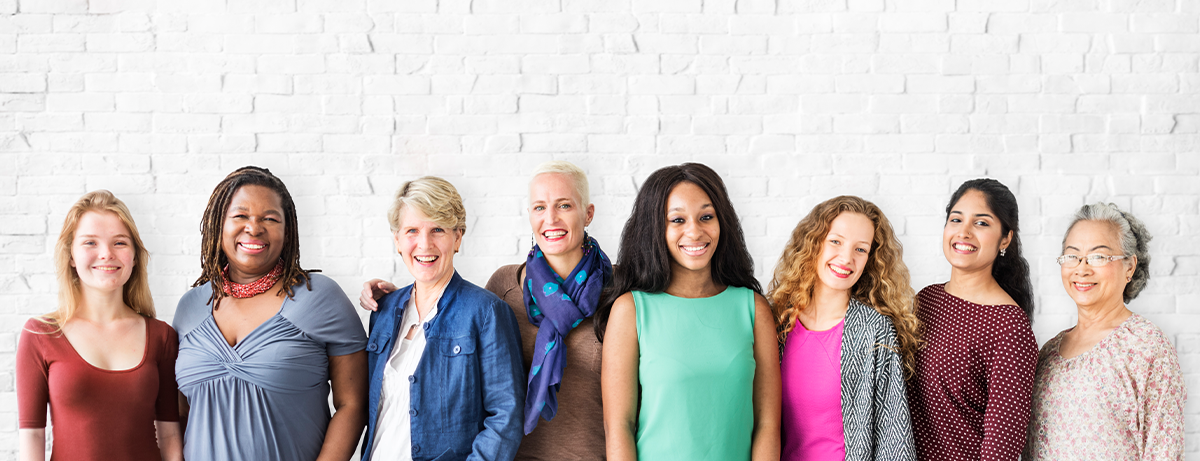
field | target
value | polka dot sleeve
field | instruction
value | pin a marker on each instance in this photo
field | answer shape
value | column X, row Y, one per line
column 1011, row 362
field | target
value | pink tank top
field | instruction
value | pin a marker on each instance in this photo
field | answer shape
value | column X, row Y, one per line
column 812, row 395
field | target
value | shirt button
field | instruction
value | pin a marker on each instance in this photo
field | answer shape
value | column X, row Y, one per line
column 457, row 349
column 412, row 378
column 412, row 412
column 372, row 347
column 416, row 449
column 426, row 326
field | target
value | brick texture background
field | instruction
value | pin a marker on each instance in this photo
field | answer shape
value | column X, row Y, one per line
column 793, row 101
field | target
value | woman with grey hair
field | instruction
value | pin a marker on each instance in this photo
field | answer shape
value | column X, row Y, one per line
column 1110, row 387
column 444, row 356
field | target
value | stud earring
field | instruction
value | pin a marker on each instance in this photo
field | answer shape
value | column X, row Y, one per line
column 1002, row 250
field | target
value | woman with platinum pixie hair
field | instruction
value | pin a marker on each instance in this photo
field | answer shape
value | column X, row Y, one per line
column 563, row 417
column 848, row 334
column 444, row 356
column 1110, row 387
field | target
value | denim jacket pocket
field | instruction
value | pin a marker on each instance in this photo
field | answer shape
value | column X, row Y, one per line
column 455, row 378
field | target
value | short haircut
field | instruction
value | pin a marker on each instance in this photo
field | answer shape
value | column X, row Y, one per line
column 434, row 197
column 578, row 177
column 1134, row 238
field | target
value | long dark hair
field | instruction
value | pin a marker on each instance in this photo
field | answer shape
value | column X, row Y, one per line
column 644, row 262
column 212, row 257
column 1011, row 271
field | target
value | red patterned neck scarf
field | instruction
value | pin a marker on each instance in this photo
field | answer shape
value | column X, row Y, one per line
column 257, row 287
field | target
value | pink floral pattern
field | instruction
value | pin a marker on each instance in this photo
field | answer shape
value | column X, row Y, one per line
column 1121, row 400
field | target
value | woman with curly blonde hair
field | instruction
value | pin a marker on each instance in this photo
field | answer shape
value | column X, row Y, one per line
column 848, row 335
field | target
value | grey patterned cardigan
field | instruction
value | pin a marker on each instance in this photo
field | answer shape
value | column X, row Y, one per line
column 875, row 416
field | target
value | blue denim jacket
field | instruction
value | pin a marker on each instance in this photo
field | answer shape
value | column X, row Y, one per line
column 469, row 388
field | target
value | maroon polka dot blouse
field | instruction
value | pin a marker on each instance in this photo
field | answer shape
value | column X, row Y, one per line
column 971, row 397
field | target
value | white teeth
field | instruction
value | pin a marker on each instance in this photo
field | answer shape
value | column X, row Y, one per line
column 554, row 234
column 106, row 268
column 425, row 259
column 694, row 248
column 1085, row 285
column 252, row 246
column 840, row 271
column 963, row 247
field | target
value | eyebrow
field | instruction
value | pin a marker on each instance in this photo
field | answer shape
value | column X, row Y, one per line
column 242, row 208
column 97, row 236
column 843, row 237
column 679, row 208
column 1097, row 247
column 976, row 214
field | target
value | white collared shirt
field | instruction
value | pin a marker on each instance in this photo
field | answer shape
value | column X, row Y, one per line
column 393, row 431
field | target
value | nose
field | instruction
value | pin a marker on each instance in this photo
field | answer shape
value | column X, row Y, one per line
column 253, row 226
column 1083, row 269
column 105, row 251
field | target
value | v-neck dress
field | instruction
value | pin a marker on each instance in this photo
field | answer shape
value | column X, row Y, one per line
column 265, row 398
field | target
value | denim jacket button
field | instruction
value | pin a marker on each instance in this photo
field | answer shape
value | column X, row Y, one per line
column 412, row 412
column 426, row 326
column 372, row 347
column 412, row 378
column 457, row 349
column 416, row 449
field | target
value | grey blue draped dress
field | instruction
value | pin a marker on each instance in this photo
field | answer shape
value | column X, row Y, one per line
column 265, row 398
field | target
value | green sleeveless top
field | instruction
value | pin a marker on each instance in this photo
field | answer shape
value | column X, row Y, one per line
column 696, row 370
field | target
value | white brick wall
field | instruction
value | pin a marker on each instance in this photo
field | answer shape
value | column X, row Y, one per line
column 793, row 101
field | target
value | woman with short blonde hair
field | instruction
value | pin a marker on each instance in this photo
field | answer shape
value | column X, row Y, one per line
column 440, row 333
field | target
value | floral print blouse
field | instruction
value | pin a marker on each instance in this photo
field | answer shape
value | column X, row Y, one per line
column 1121, row 400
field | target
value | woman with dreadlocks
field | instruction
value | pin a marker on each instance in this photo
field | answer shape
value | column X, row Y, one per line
column 260, row 338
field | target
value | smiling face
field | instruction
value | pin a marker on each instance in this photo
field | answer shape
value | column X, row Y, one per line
column 426, row 247
column 1095, row 286
column 556, row 215
column 845, row 251
column 972, row 237
column 692, row 228
column 102, row 252
column 252, row 236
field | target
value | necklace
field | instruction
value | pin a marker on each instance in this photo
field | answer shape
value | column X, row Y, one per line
column 257, row 287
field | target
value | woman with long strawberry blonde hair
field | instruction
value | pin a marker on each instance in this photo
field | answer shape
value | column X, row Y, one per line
column 848, row 334
column 101, row 361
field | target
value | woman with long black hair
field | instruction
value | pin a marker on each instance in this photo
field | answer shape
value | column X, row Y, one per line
column 690, row 363
column 971, row 396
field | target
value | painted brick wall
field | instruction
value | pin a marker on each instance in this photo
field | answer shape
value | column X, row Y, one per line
column 793, row 101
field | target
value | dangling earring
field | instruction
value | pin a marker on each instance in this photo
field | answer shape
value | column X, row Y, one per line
column 1002, row 250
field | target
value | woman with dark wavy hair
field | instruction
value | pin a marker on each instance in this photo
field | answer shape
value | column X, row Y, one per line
column 689, row 328
column 848, row 335
column 971, row 396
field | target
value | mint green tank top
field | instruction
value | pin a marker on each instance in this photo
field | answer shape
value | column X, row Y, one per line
column 696, row 370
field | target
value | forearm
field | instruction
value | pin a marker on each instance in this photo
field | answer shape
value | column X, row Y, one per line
column 766, row 442
column 345, row 428
column 619, row 444
column 170, row 444
column 33, row 444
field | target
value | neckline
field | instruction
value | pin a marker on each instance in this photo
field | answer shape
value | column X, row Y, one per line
column 726, row 290
column 942, row 287
column 252, row 331
column 145, row 352
column 841, row 324
column 1102, row 341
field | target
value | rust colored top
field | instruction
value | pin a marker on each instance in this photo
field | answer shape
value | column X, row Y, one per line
column 577, row 431
column 97, row 414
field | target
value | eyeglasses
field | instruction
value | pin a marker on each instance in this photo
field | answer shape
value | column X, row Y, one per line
column 1094, row 260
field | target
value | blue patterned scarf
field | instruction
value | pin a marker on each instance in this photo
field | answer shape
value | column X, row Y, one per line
column 564, row 304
